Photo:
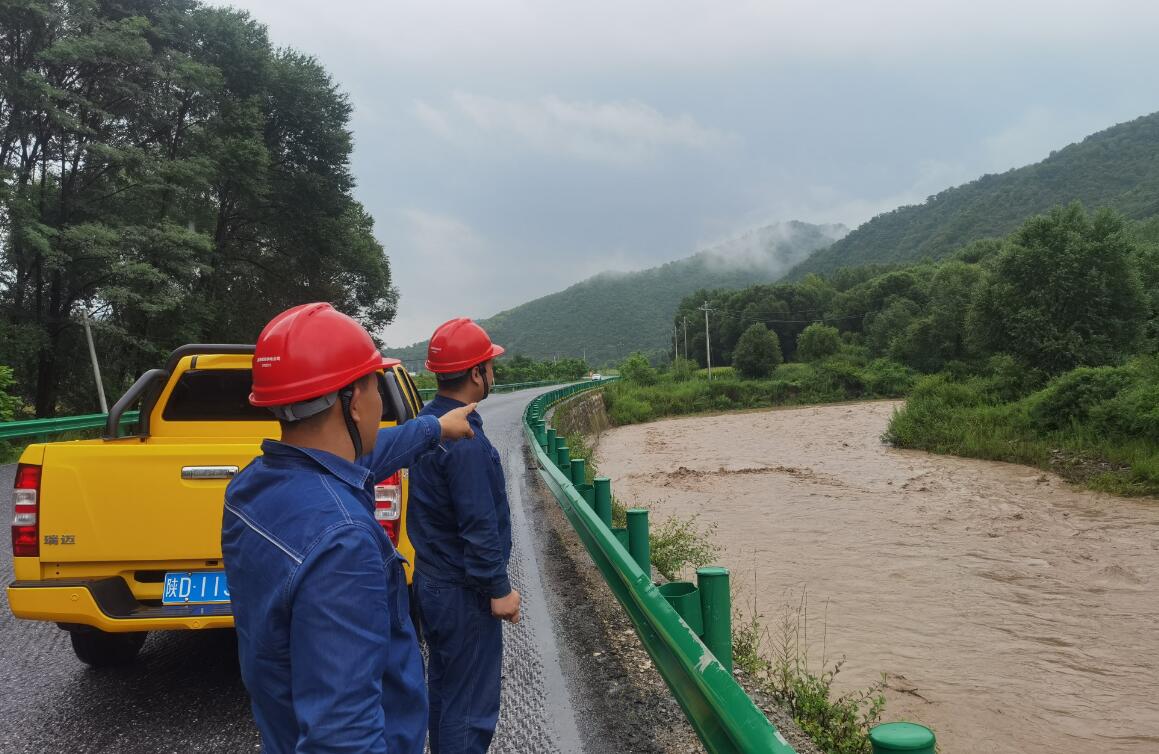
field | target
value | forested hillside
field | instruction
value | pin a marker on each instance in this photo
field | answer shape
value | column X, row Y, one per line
column 1116, row 168
column 610, row 315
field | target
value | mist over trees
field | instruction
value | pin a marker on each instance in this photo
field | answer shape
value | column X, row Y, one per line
column 167, row 169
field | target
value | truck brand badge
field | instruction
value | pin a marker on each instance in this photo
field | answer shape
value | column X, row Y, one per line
column 60, row 539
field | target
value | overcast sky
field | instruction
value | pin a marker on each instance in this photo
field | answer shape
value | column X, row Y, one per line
column 509, row 149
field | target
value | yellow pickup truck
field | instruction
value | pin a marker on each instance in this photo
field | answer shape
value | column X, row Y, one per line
column 116, row 537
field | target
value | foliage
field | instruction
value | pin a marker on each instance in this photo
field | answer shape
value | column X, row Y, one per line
column 1095, row 426
column 818, row 341
column 835, row 379
column 757, row 352
column 164, row 167
column 837, row 723
column 678, row 542
column 682, row 369
column 637, row 370
column 1112, row 168
column 9, row 404
column 1064, row 292
column 520, row 368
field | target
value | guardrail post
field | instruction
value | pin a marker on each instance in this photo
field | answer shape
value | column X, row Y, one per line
column 563, row 458
column 716, row 607
column 551, row 443
column 603, row 504
column 638, row 545
column 579, row 471
column 911, row 738
column 541, row 433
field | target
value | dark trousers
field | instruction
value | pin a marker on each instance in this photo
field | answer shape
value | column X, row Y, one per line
column 464, row 667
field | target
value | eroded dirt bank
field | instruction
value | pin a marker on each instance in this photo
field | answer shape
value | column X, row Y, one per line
column 1012, row 612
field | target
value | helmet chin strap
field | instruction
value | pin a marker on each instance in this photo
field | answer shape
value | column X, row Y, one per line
column 345, row 396
column 486, row 384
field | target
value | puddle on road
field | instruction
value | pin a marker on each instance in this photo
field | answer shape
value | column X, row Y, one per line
column 1012, row 612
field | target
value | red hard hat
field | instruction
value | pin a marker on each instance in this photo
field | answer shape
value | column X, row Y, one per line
column 459, row 345
column 310, row 351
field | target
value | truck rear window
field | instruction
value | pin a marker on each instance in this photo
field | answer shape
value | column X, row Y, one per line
column 222, row 395
column 214, row 395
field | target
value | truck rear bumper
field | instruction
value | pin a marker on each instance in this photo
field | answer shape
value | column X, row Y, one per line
column 109, row 605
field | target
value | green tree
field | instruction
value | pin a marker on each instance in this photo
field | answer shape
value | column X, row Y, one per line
column 637, row 369
column 818, row 341
column 757, row 352
column 1064, row 292
column 9, row 404
column 163, row 167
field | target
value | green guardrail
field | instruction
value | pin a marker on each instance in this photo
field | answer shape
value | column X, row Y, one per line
column 720, row 711
column 42, row 429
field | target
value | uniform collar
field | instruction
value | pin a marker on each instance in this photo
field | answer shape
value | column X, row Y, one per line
column 352, row 474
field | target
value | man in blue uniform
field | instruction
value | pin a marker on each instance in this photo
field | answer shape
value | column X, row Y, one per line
column 460, row 524
column 327, row 649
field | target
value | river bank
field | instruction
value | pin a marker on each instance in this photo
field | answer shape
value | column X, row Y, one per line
column 1010, row 610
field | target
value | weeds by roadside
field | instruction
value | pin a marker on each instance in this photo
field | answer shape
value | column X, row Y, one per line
column 837, row 723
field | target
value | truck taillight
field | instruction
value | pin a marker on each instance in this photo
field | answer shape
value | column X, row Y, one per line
column 388, row 505
column 25, row 510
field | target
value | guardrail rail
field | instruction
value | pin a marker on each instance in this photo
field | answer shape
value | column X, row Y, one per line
column 721, row 712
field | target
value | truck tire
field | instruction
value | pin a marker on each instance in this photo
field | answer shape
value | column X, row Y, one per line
column 104, row 650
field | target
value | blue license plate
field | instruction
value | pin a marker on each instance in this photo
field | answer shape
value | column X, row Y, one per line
column 194, row 587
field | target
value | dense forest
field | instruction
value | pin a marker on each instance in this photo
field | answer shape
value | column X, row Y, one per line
column 165, row 169
column 612, row 314
column 1116, row 168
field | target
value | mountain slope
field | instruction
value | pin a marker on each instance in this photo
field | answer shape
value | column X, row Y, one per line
column 608, row 316
column 1118, row 168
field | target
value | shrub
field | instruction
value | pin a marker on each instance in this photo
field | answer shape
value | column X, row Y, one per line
column 1070, row 398
column 817, row 341
column 886, row 378
column 637, row 369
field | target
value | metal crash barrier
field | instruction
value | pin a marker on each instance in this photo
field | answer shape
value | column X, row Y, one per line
column 720, row 711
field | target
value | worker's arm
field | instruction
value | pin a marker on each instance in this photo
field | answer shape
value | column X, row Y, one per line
column 469, row 481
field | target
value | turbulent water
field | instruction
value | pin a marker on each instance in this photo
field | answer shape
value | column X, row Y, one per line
column 1011, row 611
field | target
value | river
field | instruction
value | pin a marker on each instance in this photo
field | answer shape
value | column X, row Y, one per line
column 1011, row 611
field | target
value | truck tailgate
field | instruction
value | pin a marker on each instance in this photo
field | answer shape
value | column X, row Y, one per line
column 102, row 502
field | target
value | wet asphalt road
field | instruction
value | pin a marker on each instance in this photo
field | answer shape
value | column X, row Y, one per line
column 185, row 694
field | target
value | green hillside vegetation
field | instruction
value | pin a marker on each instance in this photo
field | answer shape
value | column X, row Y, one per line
column 1116, row 168
column 1038, row 348
column 608, row 316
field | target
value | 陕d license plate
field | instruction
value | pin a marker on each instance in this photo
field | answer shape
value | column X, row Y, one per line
column 193, row 587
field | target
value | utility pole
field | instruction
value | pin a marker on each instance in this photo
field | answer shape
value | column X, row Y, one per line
column 675, row 346
column 707, row 340
column 686, row 337
column 96, row 367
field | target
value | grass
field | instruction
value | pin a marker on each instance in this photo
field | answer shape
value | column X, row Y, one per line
column 837, row 379
column 1104, row 436
column 837, row 723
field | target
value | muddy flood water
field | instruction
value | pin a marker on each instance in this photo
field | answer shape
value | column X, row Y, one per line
column 1012, row 612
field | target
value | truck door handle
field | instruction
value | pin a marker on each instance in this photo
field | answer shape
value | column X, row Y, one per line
column 208, row 472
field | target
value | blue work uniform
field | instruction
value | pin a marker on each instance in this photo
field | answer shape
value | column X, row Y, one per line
column 326, row 645
column 459, row 521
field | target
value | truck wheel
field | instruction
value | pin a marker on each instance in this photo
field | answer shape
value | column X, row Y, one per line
column 105, row 650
